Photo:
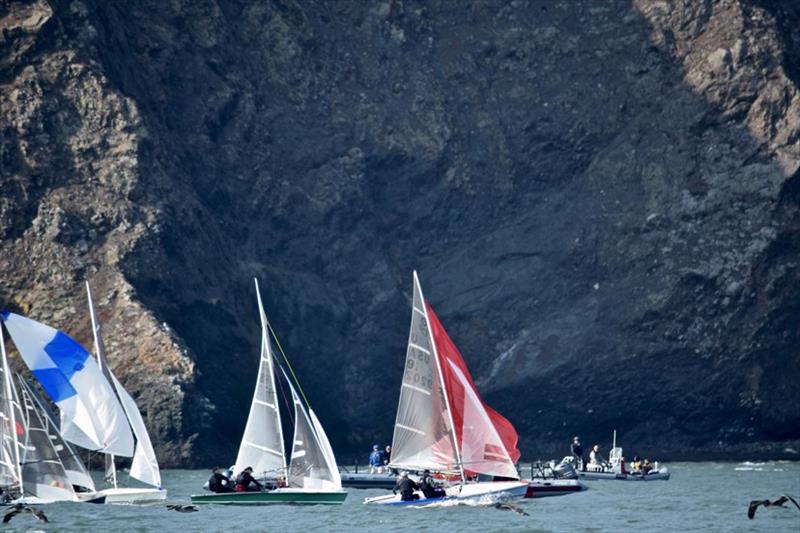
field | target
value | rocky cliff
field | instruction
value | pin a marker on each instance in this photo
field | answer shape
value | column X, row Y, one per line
column 602, row 201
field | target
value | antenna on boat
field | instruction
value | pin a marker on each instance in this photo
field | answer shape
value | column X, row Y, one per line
column 614, row 441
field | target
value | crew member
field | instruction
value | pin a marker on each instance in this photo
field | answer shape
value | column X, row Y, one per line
column 406, row 486
column 428, row 486
column 218, row 482
column 246, row 482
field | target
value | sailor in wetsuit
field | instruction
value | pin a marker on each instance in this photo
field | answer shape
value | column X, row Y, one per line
column 406, row 486
column 218, row 482
column 246, row 482
column 429, row 488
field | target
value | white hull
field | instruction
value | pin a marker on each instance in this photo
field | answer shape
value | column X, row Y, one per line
column 134, row 496
column 488, row 492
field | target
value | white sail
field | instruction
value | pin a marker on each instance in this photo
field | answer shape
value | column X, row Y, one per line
column 10, row 426
column 309, row 467
column 74, row 468
column 91, row 417
column 262, row 443
column 423, row 435
column 42, row 471
column 327, row 450
column 145, row 464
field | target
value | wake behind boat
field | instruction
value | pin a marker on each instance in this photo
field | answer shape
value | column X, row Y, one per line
column 312, row 475
column 442, row 424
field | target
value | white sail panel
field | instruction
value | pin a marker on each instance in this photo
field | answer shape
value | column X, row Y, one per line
column 333, row 468
column 262, row 443
column 422, row 437
column 43, row 473
column 91, row 416
column 309, row 468
column 145, row 464
column 74, row 468
column 481, row 448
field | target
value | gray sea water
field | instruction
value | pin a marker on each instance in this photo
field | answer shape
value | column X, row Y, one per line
column 698, row 497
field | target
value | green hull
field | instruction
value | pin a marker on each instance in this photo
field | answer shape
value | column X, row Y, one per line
column 272, row 497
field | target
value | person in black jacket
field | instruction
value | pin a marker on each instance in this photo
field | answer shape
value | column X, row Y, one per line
column 406, row 486
column 429, row 488
column 218, row 482
column 577, row 453
column 245, row 481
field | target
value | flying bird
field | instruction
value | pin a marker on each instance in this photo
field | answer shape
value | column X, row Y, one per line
column 509, row 507
column 182, row 508
column 19, row 508
column 755, row 504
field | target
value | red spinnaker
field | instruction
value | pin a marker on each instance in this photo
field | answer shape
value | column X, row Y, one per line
column 447, row 350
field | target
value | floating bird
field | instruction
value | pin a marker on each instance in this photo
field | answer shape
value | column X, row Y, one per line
column 19, row 508
column 182, row 508
column 509, row 507
column 755, row 504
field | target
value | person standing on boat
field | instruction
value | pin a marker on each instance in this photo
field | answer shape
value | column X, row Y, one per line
column 406, row 487
column 386, row 454
column 218, row 482
column 577, row 453
column 246, row 482
column 376, row 460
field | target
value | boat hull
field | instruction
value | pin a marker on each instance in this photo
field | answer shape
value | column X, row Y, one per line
column 134, row 496
column 554, row 487
column 279, row 496
column 490, row 491
column 610, row 476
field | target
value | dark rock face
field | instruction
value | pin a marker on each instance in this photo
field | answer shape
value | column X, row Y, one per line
column 601, row 200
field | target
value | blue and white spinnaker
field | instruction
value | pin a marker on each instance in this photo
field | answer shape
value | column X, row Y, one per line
column 91, row 416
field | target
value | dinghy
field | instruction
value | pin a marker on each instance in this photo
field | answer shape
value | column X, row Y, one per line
column 144, row 466
column 443, row 425
column 312, row 476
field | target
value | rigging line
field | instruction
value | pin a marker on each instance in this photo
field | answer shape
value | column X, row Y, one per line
column 288, row 364
column 289, row 410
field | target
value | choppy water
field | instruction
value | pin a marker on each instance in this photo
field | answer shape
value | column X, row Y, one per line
column 698, row 497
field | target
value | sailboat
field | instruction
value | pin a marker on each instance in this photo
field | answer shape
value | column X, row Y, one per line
column 32, row 470
column 443, row 425
column 311, row 476
column 145, row 465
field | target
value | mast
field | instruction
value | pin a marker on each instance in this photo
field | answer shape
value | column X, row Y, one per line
column 271, row 362
column 9, row 394
column 441, row 381
column 101, row 361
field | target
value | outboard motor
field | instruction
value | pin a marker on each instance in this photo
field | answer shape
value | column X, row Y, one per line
column 564, row 471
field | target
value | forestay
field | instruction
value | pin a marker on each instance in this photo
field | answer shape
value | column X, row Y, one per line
column 262, row 443
column 91, row 417
column 423, row 437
